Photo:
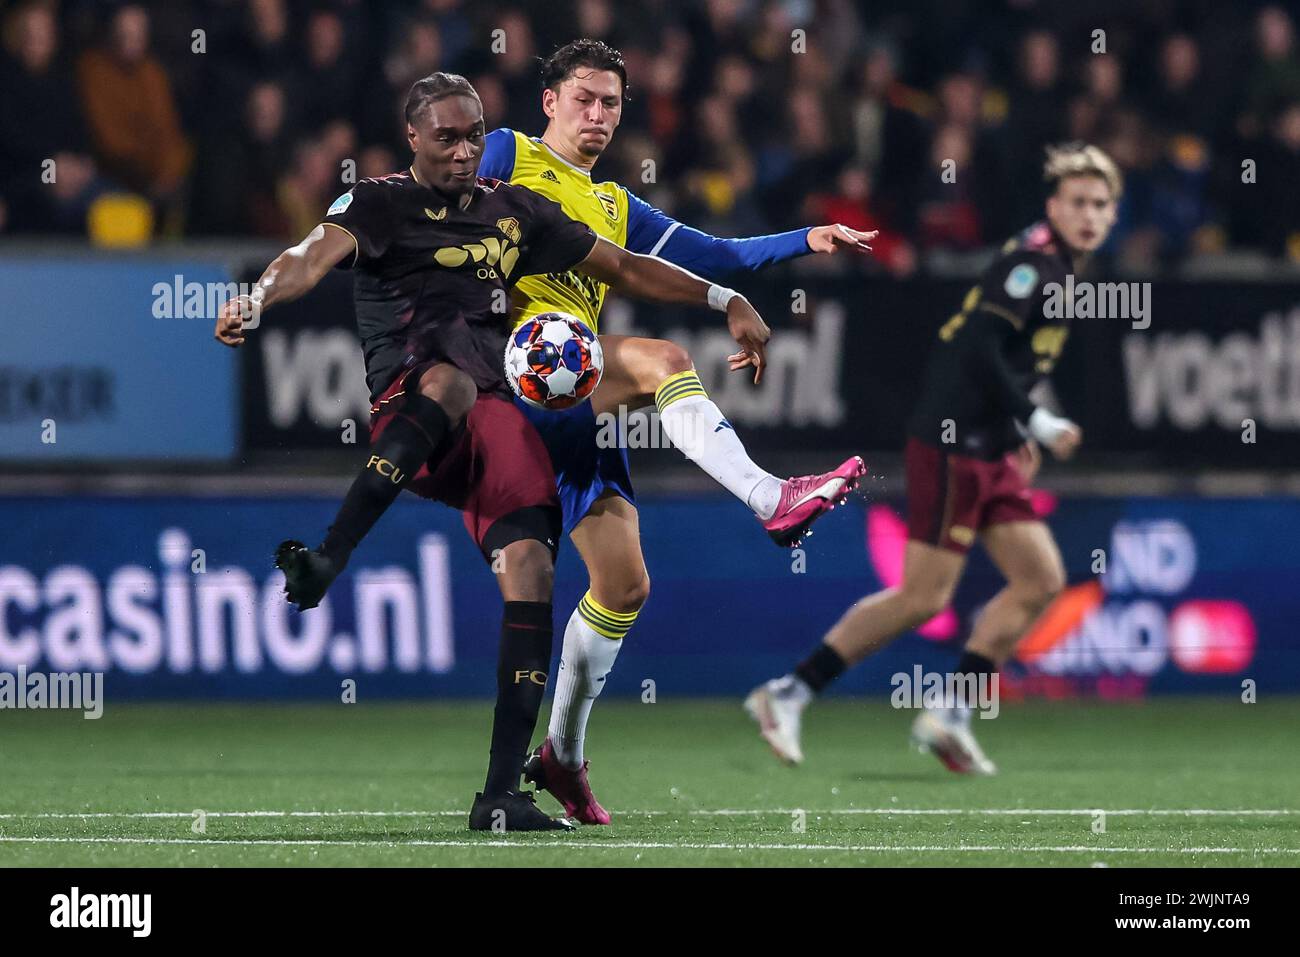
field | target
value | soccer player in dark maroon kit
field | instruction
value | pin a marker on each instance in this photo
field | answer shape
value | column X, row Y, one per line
column 969, row 459
column 435, row 251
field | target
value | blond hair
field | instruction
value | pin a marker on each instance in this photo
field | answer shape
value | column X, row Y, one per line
column 1081, row 159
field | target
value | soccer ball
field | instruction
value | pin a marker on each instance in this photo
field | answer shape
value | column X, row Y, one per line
column 554, row 361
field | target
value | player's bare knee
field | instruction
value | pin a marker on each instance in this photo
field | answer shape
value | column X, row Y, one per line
column 923, row 603
column 930, row 607
column 1048, row 592
column 669, row 359
column 1038, row 592
column 527, row 571
column 635, row 594
column 451, row 388
column 623, row 596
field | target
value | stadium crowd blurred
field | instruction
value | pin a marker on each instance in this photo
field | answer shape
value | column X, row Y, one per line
column 245, row 128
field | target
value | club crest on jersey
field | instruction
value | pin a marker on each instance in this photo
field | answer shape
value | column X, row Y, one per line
column 1021, row 281
column 437, row 217
column 510, row 227
column 611, row 207
column 340, row 204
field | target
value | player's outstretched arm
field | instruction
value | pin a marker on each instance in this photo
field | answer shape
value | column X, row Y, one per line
column 292, row 274
column 653, row 279
column 652, row 231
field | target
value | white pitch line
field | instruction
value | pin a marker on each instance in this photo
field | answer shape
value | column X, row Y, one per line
column 721, row 812
column 1030, row 811
column 79, row 815
column 656, row 845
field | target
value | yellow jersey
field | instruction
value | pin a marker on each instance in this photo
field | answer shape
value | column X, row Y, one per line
column 622, row 218
column 602, row 206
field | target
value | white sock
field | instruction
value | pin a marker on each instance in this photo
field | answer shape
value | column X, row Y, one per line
column 585, row 660
column 793, row 687
column 698, row 428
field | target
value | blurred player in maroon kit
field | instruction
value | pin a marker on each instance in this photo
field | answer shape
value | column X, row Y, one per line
column 970, row 455
column 436, row 251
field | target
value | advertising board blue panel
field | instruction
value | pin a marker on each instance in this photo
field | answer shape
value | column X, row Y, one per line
column 100, row 362
column 176, row 597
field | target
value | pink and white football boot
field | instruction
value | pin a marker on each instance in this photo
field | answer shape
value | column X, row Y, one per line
column 806, row 498
column 567, row 786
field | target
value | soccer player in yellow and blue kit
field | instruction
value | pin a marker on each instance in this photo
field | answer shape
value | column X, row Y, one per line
column 583, row 89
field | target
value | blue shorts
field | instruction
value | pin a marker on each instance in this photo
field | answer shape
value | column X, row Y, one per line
column 583, row 470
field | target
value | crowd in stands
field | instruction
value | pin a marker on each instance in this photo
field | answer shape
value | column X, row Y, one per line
column 924, row 119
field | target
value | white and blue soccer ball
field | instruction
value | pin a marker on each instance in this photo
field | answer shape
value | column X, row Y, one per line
column 554, row 361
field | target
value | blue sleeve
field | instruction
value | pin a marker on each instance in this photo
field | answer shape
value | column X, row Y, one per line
column 649, row 230
column 498, row 160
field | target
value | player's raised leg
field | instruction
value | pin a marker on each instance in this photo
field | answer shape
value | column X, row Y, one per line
column 930, row 575
column 1027, row 556
column 608, row 539
column 639, row 372
column 428, row 404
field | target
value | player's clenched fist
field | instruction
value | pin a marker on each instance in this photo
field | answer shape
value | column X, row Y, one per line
column 1059, row 434
column 1068, row 442
column 230, row 321
column 751, row 334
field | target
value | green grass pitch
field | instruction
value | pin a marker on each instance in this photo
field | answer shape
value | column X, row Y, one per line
column 688, row 782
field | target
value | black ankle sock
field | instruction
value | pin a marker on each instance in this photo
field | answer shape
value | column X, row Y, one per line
column 526, row 631
column 405, row 445
column 821, row 668
column 975, row 664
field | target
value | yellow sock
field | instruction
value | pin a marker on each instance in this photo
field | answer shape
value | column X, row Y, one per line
column 611, row 624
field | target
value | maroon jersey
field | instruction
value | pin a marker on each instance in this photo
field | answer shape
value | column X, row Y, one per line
column 433, row 280
column 995, row 350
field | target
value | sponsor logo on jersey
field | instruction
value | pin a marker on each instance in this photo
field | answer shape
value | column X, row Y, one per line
column 485, row 255
column 961, row 534
column 550, row 177
column 437, row 217
column 340, row 204
column 1047, row 344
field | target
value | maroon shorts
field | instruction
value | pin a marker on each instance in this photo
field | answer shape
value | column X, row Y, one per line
column 492, row 466
column 952, row 497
